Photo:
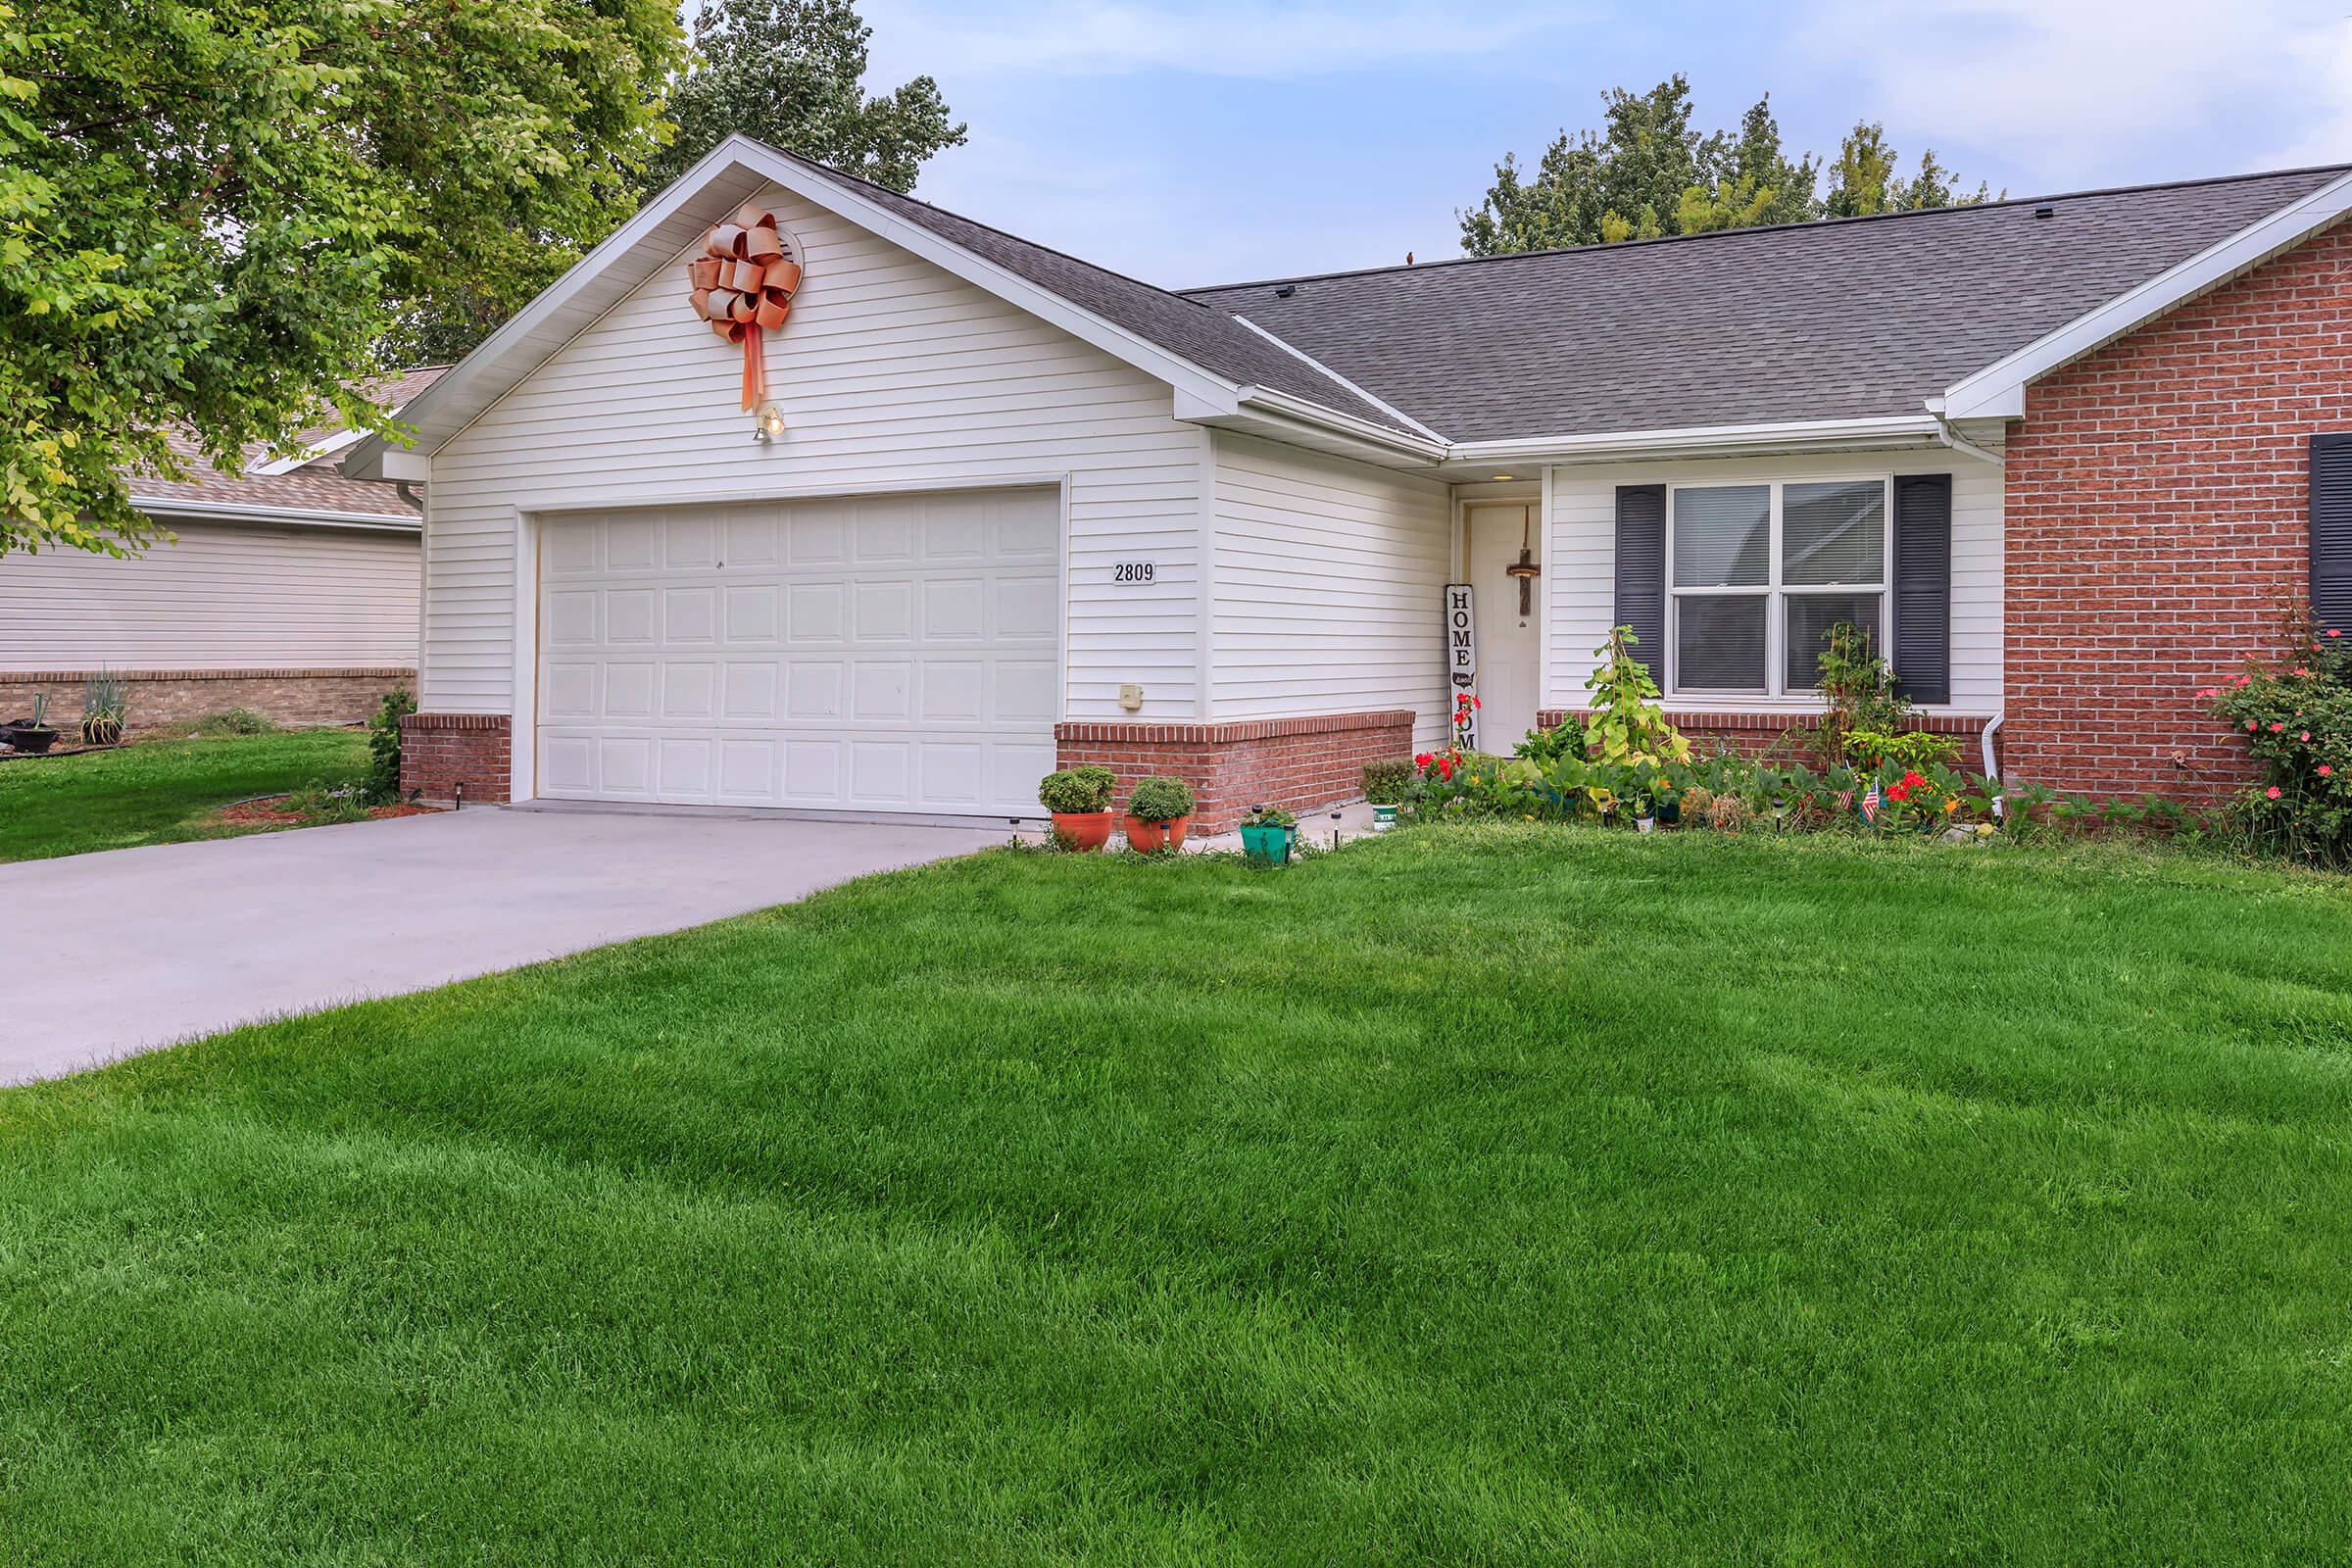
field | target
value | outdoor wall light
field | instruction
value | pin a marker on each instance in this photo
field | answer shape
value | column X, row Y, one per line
column 768, row 423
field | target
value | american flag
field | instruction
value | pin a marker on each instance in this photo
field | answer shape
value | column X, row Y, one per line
column 1869, row 803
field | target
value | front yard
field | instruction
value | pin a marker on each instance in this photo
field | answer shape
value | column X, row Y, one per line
column 161, row 792
column 1488, row 1194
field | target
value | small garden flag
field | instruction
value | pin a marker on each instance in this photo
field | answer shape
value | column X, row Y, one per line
column 1869, row 803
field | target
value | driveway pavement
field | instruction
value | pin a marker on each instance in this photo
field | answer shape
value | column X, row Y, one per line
column 140, row 948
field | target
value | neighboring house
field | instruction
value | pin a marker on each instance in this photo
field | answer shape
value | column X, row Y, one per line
column 291, row 590
column 1020, row 511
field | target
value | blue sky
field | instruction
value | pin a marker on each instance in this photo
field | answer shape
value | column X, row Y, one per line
column 1216, row 141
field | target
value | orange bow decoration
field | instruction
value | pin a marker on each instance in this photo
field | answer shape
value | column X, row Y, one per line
column 743, row 285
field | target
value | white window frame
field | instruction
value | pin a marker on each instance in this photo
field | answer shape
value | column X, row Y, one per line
column 1776, row 592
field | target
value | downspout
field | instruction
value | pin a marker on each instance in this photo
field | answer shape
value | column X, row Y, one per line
column 1953, row 439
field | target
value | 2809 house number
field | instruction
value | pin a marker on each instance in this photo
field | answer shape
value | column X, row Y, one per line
column 1131, row 571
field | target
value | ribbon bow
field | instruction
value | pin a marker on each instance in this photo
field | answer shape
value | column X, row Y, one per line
column 743, row 285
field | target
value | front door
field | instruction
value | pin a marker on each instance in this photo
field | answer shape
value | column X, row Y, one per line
column 1492, row 535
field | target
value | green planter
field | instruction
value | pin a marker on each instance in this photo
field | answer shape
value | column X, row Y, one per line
column 1383, row 818
column 1267, row 846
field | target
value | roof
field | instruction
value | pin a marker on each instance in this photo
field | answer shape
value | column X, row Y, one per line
column 1845, row 319
column 315, row 486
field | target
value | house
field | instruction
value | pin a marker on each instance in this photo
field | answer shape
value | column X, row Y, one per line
column 992, row 509
column 289, row 589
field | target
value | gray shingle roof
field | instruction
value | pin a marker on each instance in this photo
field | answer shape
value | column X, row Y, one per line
column 315, row 486
column 1851, row 319
column 1210, row 338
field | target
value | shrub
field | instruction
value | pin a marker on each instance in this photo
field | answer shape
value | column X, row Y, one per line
column 234, row 721
column 322, row 802
column 1077, row 790
column 105, row 705
column 1386, row 782
column 1859, row 690
column 381, row 786
column 1627, row 725
column 1160, row 800
column 1269, row 816
column 1909, row 749
column 2296, row 716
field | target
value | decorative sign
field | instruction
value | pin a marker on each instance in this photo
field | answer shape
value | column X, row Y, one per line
column 743, row 285
column 1135, row 571
column 1462, row 638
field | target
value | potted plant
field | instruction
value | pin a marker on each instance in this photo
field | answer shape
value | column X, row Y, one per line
column 1645, row 814
column 1266, row 835
column 1386, row 785
column 1080, row 800
column 104, row 703
column 32, row 734
column 1158, row 814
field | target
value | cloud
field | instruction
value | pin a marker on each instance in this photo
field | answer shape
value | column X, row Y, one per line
column 1218, row 38
column 2071, row 89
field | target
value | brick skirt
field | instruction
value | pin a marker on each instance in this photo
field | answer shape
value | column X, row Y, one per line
column 335, row 695
column 440, row 752
column 1298, row 763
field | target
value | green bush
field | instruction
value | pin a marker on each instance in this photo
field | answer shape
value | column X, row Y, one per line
column 1160, row 800
column 1077, row 790
column 2296, row 716
column 381, row 786
column 234, row 721
column 1386, row 782
column 1269, row 816
column 320, row 802
column 1911, row 747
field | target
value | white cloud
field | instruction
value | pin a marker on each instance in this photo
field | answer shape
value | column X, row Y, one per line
column 2075, row 88
column 1217, row 38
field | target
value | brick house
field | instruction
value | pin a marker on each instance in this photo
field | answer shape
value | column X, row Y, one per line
column 989, row 508
column 288, row 589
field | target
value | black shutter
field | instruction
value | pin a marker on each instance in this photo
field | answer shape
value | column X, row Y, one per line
column 1642, row 571
column 1923, row 586
column 2331, row 530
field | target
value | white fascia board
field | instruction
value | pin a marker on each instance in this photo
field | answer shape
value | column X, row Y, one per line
column 1308, row 359
column 1998, row 391
column 283, row 516
column 1284, row 406
column 1703, row 440
column 310, row 453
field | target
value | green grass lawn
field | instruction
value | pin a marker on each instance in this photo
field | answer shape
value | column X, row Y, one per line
column 1499, row 1196
column 159, row 792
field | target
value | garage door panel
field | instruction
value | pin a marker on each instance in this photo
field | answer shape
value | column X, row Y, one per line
column 888, row 653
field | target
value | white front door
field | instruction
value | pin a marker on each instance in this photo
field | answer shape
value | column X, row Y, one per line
column 1492, row 537
column 890, row 652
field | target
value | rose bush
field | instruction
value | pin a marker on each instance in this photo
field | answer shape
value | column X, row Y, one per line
column 2296, row 715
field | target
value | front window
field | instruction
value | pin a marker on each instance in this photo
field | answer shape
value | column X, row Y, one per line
column 1761, row 570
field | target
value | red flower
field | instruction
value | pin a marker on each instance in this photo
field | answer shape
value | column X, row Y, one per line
column 2250, row 726
column 2271, row 792
column 2275, row 726
column 1445, row 769
column 2325, row 770
column 1911, row 780
column 2307, row 736
column 1898, row 793
column 1422, row 760
column 2300, row 671
column 2333, row 633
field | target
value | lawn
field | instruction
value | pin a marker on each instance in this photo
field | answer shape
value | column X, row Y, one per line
column 1476, row 1195
column 159, row 792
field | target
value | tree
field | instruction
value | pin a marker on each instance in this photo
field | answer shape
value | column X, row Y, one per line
column 1649, row 172
column 793, row 72
column 211, row 212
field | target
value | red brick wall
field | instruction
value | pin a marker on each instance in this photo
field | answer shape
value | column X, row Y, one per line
column 1762, row 734
column 2157, row 523
column 161, row 697
column 1300, row 763
column 439, row 752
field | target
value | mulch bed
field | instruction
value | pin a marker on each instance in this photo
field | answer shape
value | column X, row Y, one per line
column 266, row 811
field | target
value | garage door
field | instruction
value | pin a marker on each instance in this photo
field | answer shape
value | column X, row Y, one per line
column 882, row 654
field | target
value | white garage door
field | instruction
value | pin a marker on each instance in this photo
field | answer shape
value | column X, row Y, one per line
column 880, row 654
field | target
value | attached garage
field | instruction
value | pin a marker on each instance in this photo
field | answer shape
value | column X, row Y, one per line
column 869, row 653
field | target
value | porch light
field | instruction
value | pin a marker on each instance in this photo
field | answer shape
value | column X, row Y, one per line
column 768, row 423
column 1507, row 477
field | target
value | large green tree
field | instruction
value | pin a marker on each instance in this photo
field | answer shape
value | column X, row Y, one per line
column 1649, row 171
column 793, row 72
column 212, row 213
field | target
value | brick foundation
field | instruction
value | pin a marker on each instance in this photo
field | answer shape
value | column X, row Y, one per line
column 439, row 752
column 161, row 697
column 1759, row 735
column 2158, row 524
column 1300, row 763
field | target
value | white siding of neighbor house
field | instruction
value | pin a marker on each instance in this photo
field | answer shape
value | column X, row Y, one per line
column 1327, row 579
column 891, row 373
column 223, row 596
column 1579, row 561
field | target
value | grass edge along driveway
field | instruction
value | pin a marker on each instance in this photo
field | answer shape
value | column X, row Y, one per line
column 1500, row 1195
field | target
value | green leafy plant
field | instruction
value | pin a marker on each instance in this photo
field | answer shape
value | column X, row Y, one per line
column 1858, row 692
column 2295, row 715
column 319, row 802
column 1626, row 724
column 1386, row 783
column 1077, row 791
column 105, row 703
column 1911, row 747
column 381, row 783
column 1269, row 816
column 1160, row 800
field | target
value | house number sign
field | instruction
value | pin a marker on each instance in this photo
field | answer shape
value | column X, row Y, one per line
column 1136, row 572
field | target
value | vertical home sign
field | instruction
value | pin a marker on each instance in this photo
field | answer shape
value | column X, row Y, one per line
column 1461, row 642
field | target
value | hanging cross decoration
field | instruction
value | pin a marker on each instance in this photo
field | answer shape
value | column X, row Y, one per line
column 743, row 286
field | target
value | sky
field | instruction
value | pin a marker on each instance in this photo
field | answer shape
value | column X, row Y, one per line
column 1208, row 141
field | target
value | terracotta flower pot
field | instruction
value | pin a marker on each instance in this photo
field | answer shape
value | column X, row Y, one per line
column 1082, row 830
column 1151, row 836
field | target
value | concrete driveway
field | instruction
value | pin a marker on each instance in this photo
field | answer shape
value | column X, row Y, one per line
column 140, row 948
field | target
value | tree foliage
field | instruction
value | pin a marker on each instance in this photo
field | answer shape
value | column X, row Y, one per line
column 793, row 72
column 212, row 213
column 1649, row 172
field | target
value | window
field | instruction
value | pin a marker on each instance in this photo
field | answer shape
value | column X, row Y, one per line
column 1760, row 572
